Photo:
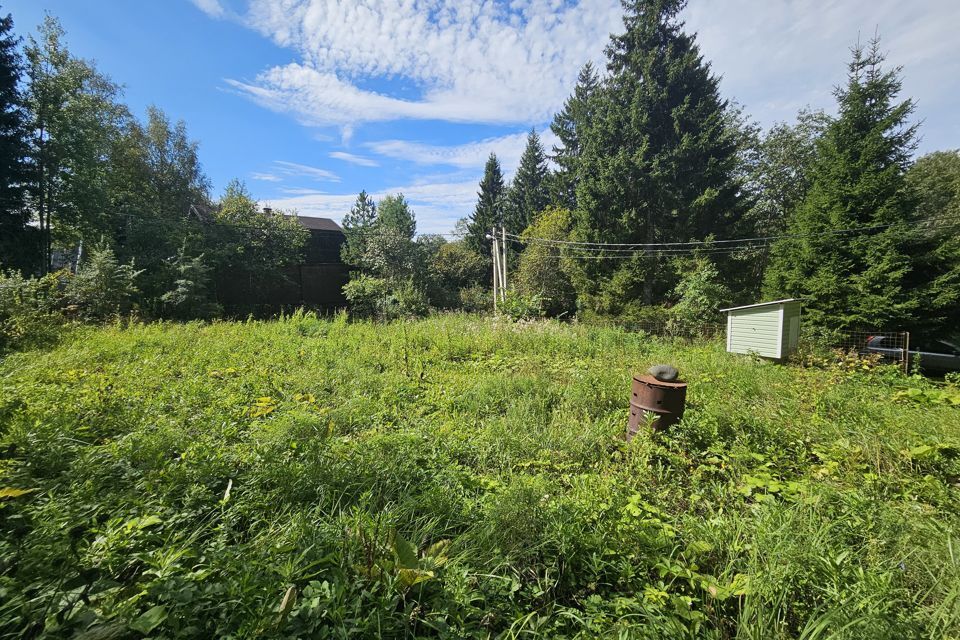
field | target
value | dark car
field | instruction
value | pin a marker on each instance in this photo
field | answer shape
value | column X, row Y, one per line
column 933, row 356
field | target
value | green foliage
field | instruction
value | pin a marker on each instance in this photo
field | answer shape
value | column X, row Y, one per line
column 519, row 306
column 935, row 249
column 541, row 272
column 250, row 244
column 368, row 297
column 102, row 287
column 356, row 227
column 781, row 176
column 190, row 297
column 383, row 299
column 460, row 477
column 658, row 159
column 14, row 171
column 453, row 268
column 527, row 195
column 30, row 310
column 858, row 180
column 569, row 125
column 475, row 298
column 74, row 119
column 390, row 251
column 155, row 186
column 489, row 209
column 700, row 295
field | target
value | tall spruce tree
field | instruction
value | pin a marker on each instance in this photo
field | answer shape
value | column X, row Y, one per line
column 858, row 180
column 568, row 126
column 528, row 194
column 13, row 153
column 489, row 210
column 935, row 179
column 657, row 160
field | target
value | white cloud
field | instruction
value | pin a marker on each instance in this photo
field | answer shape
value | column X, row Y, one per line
column 437, row 205
column 776, row 57
column 471, row 155
column 354, row 159
column 212, row 8
column 296, row 169
column 266, row 177
column 301, row 191
column 467, row 60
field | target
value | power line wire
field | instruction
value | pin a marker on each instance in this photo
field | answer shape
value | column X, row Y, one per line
column 614, row 246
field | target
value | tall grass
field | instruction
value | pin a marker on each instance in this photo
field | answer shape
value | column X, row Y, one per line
column 458, row 477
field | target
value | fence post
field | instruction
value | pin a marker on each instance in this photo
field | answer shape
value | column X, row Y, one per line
column 906, row 352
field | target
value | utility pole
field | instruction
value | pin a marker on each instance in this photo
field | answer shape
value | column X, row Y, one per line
column 503, row 285
column 494, row 253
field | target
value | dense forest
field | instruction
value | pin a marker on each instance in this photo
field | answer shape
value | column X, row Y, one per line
column 661, row 201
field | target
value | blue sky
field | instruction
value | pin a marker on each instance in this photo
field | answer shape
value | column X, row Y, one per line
column 309, row 101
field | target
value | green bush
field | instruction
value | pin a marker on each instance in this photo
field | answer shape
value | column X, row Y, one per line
column 102, row 286
column 475, row 299
column 368, row 297
column 30, row 309
column 518, row 306
column 190, row 298
column 701, row 294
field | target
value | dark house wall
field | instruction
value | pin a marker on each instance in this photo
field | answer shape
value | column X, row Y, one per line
column 316, row 283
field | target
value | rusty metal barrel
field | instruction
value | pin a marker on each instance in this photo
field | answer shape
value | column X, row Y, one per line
column 666, row 400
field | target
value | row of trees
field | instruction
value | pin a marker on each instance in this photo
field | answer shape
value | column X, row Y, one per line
column 650, row 153
column 79, row 171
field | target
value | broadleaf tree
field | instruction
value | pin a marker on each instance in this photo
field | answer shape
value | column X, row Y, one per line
column 74, row 119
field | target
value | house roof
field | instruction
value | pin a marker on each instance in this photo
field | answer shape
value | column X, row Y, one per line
column 317, row 224
column 762, row 304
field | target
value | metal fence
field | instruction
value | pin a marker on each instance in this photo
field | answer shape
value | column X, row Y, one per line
column 888, row 346
column 684, row 331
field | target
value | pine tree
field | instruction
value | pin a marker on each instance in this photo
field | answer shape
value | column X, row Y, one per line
column 489, row 210
column 356, row 228
column 857, row 181
column 657, row 159
column 13, row 152
column 568, row 126
column 527, row 195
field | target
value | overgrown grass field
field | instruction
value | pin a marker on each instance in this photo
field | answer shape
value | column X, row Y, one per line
column 462, row 478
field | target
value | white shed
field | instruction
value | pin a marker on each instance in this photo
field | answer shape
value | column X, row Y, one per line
column 768, row 329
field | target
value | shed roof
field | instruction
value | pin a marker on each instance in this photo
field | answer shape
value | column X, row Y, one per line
column 762, row 304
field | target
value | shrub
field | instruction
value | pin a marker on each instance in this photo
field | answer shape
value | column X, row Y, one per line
column 102, row 287
column 541, row 273
column 30, row 309
column 475, row 299
column 518, row 306
column 189, row 297
column 410, row 300
column 700, row 293
column 368, row 297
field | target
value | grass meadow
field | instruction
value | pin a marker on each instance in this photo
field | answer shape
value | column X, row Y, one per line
column 460, row 477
